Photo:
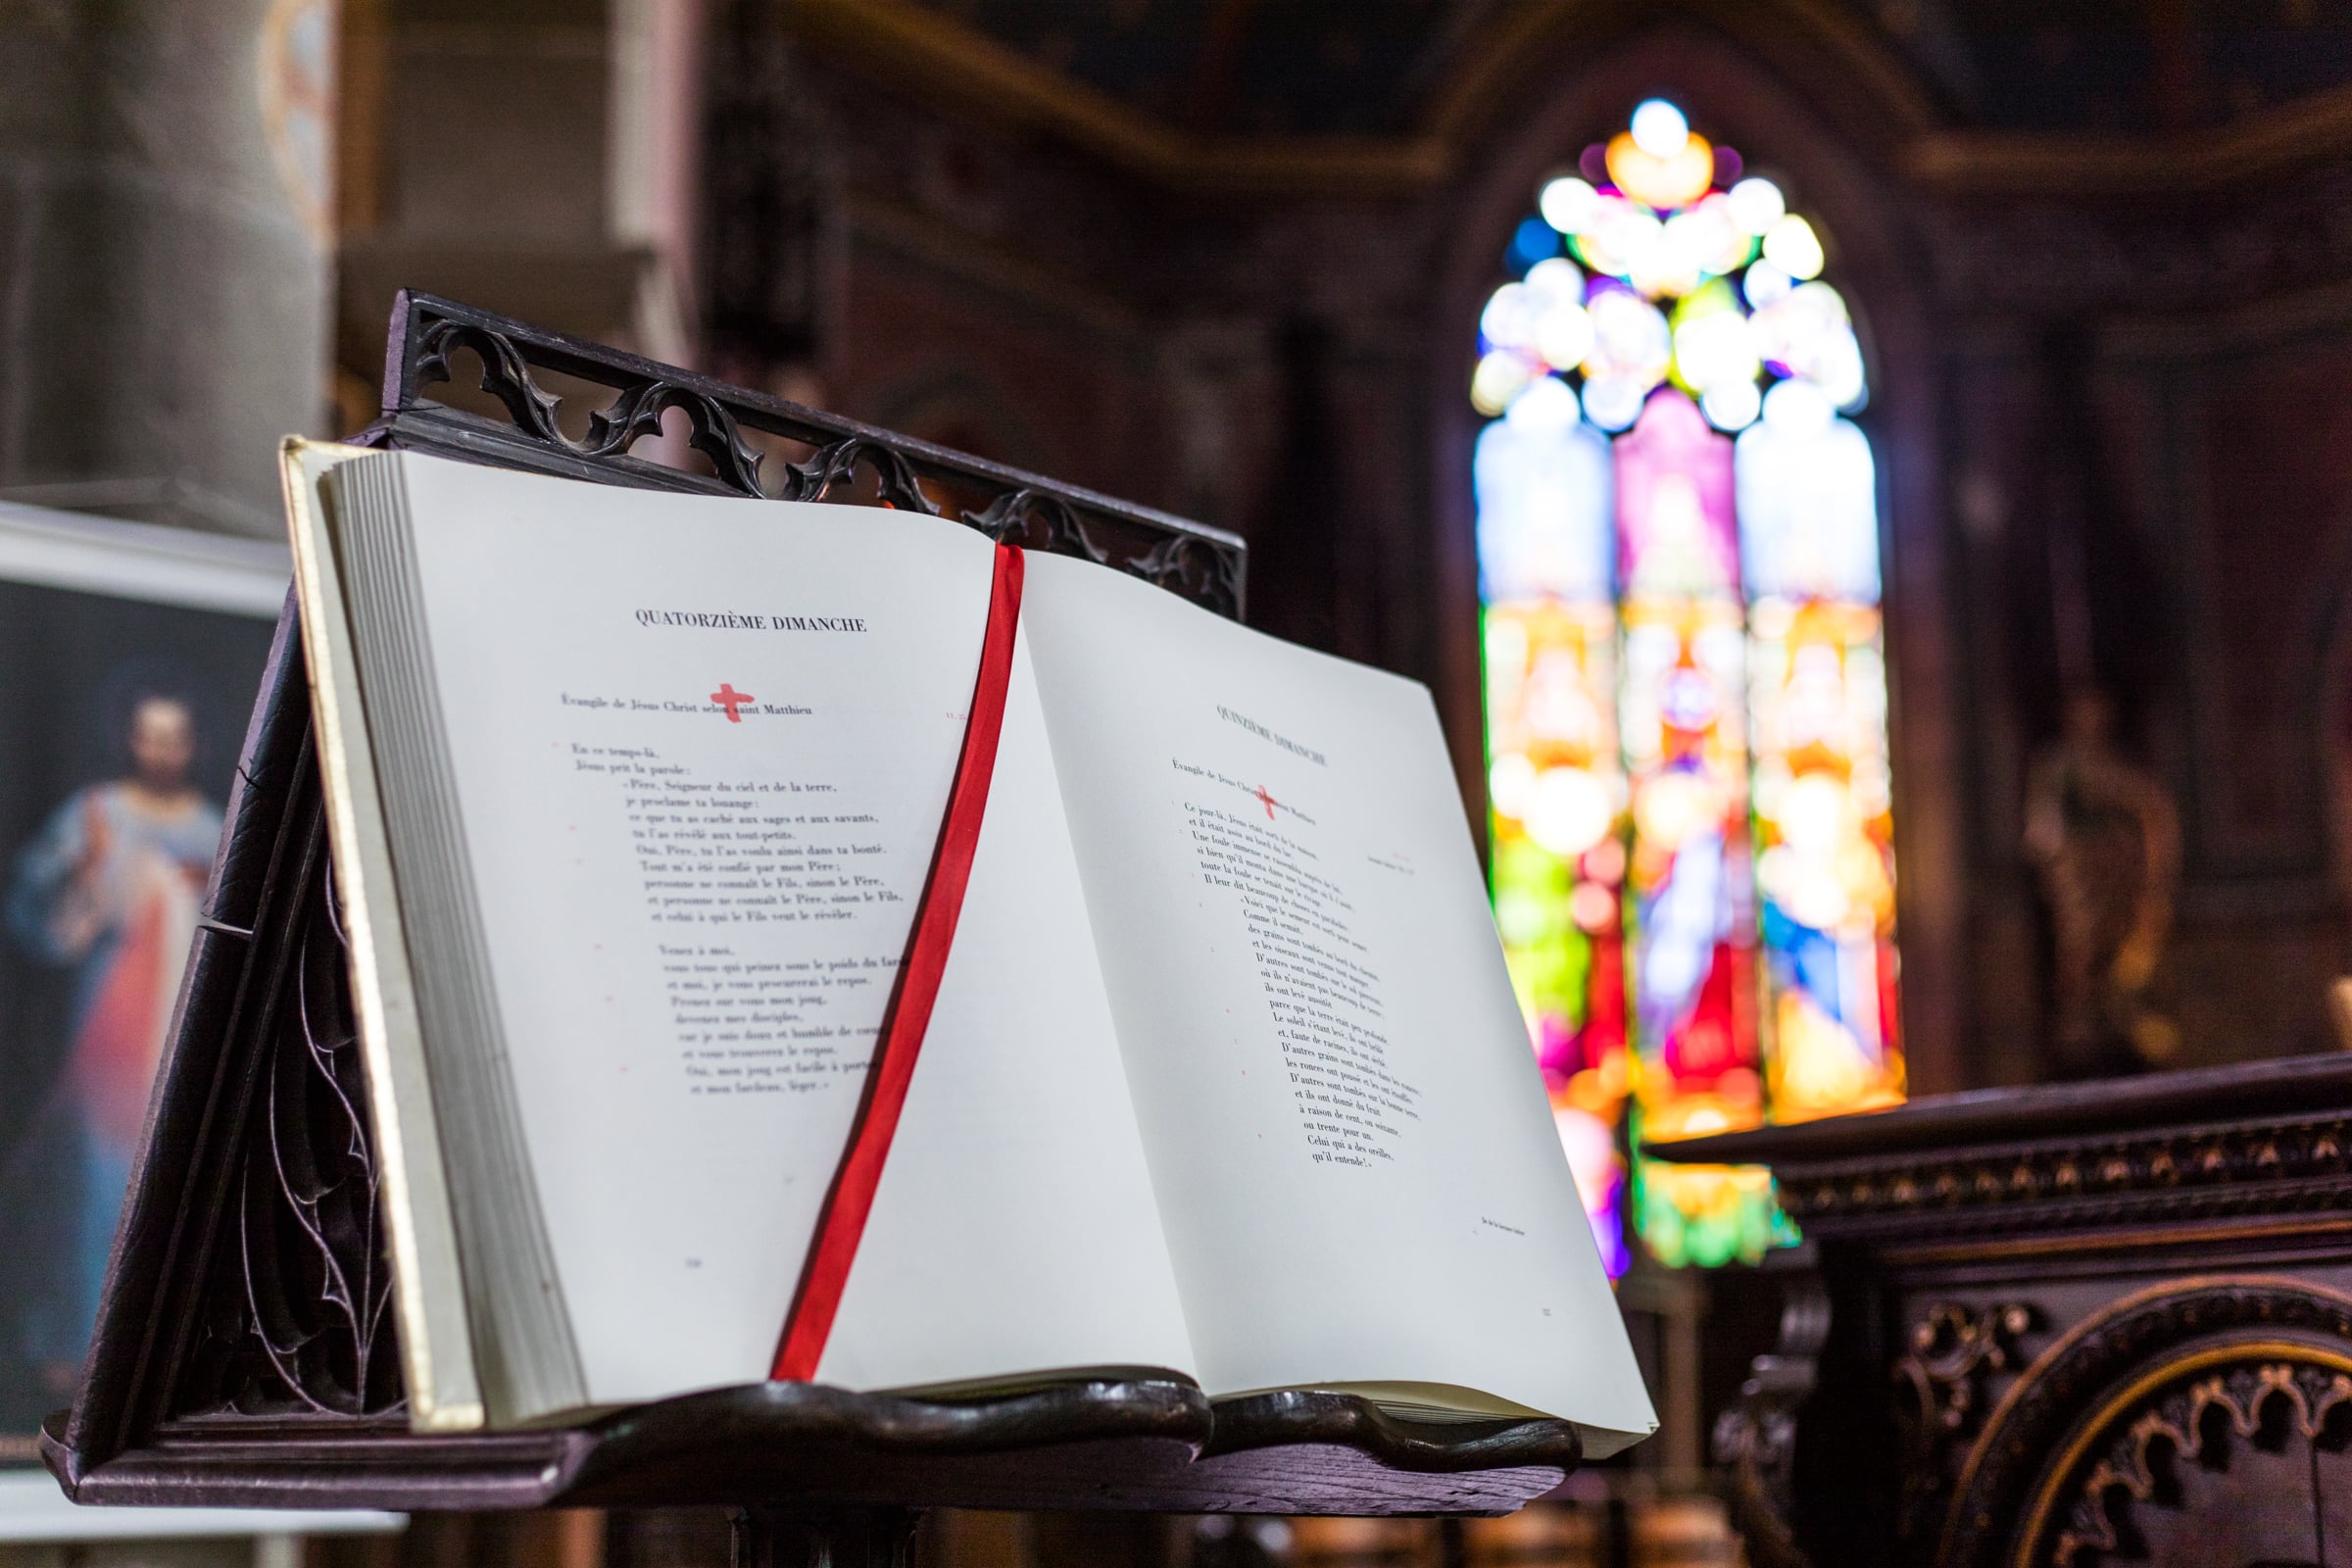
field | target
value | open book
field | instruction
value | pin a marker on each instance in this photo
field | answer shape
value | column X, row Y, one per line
column 632, row 800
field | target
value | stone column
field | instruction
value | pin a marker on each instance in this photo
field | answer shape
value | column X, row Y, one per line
column 164, row 242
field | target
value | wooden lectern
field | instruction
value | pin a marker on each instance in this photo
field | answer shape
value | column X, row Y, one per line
column 245, row 1349
column 2058, row 1326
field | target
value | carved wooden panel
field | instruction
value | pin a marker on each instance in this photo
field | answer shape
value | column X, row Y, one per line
column 2203, row 1421
column 1944, row 1385
column 2089, row 1323
column 2204, row 1413
column 2233, row 1456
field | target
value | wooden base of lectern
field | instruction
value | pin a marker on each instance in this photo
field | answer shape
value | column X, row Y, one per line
column 246, row 1352
column 2065, row 1324
column 1148, row 1446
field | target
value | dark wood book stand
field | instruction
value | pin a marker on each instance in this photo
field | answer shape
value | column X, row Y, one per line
column 245, row 1349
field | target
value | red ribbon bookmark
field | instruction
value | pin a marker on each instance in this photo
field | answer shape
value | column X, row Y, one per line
column 842, row 1221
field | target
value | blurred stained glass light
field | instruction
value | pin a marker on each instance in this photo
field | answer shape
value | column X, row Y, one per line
column 1763, row 284
column 1791, row 246
column 1533, row 242
column 1661, row 180
column 1659, row 129
column 1733, row 406
column 1756, row 204
column 1685, row 688
column 1569, row 205
column 1509, row 320
column 1499, row 378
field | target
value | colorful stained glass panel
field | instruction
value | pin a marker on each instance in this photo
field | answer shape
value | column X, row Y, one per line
column 1543, row 527
column 1686, row 683
column 1545, row 540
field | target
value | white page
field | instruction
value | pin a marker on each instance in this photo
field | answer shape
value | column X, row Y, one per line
column 1014, row 1229
column 687, row 1071
column 438, row 1364
column 1418, row 1223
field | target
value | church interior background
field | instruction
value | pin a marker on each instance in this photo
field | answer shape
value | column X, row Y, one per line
column 1869, row 484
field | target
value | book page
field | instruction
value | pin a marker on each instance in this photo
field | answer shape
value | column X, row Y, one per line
column 701, row 749
column 444, row 1388
column 1015, row 1227
column 1356, row 1161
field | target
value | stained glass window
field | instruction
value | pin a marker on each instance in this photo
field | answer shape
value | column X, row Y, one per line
column 1685, row 685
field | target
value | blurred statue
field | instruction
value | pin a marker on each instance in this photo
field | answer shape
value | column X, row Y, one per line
column 108, row 890
column 2105, row 842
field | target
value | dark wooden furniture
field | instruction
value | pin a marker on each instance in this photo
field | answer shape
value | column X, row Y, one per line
column 2060, row 1326
column 245, row 1349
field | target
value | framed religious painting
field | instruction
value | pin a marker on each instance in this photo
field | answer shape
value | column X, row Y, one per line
column 129, row 655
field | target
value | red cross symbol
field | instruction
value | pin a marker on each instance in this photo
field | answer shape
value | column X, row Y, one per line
column 728, row 697
column 1267, row 800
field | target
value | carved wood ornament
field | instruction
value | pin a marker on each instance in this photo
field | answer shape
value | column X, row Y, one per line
column 1201, row 563
column 1942, row 1384
column 1997, row 1335
column 2243, row 1463
column 2068, row 1182
column 2201, row 1421
column 1755, row 1439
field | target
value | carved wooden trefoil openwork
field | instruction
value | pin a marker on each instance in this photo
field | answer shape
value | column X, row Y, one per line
column 818, row 456
column 2203, row 1420
column 2244, row 1463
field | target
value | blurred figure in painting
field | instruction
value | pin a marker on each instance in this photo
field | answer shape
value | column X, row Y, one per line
column 109, row 889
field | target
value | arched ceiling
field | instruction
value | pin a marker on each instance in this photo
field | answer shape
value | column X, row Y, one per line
column 2078, row 97
column 1375, row 67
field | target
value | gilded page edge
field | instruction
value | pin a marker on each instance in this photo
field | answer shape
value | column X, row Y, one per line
column 444, row 1388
